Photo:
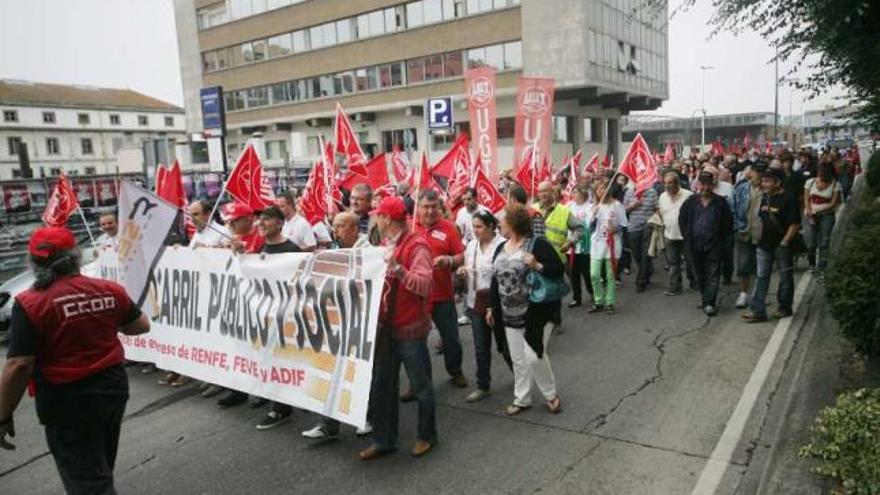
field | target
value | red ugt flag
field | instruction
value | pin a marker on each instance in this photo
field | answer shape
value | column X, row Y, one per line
column 487, row 193
column 62, row 203
column 347, row 143
column 247, row 183
column 638, row 165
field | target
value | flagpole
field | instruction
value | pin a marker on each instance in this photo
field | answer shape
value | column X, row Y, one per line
column 88, row 229
column 418, row 186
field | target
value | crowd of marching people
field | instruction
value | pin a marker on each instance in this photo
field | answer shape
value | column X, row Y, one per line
column 713, row 220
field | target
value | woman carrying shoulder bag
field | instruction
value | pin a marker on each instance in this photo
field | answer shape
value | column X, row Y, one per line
column 527, row 323
column 477, row 272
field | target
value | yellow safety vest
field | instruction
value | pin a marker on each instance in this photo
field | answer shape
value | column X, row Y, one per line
column 557, row 227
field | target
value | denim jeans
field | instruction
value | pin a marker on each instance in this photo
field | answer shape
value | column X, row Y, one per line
column 707, row 270
column 638, row 246
column 675, row 258
column 385, row 402
column 446, row 319
column 819, row 237
column 785, row 294
column 482, row 348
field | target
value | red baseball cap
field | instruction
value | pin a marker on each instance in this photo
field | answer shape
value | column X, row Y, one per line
column 234, row 211
column 392, row 207
column 47, row 241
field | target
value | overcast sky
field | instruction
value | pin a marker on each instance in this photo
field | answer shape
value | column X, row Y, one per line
column 132, row 43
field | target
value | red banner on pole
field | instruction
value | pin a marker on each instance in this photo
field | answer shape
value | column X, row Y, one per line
column 480, row 88
column 534, row 112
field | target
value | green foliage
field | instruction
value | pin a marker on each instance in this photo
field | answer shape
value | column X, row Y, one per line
column 853, row 281
column 872, row 174
column 846, row 439
column 832, row 41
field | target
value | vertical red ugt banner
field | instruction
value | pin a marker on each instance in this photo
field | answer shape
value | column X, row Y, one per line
column 534, row 112
column 480, row 87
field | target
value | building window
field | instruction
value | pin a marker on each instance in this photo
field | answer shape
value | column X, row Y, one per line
column 562, row 127
column 433, row 11
column 10, row 116
column 433, row 67
column 513, row 55
column 143, row 120
column 344, row 31
column 415, row 15
column 55, row 171
column 592, row 130
column 275, row 150
column 401, row 138
column 280, row 45
column 48, row 117
column 83, row 118
column 114, row 119
column 52, row 147
column 259, row 47
column 453, row 64
column 415, row 70
column 299, row 41
column 209, row 61
column 13, row 144
column 169, row 121
column 90, row 171
column 87, row 146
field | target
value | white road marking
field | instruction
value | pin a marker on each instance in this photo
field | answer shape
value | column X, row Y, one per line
column 723, row 452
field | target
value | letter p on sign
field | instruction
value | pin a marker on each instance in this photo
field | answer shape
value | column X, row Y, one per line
column 440, row 113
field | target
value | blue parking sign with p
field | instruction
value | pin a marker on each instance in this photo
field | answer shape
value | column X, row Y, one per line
column 440, row 113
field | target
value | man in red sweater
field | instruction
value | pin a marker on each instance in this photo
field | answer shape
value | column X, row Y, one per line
column 402, row 334
column 448, row 254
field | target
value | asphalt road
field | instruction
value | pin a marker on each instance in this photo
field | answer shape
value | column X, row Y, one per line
column 646, row 396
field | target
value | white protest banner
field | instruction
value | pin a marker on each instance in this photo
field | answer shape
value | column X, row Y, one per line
column 296, row 328
column 144, row 223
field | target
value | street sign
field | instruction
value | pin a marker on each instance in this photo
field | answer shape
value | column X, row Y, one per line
column 213, row 115
column 440, row 113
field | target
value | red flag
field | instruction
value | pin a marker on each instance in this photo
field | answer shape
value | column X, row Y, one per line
column 377, row 172
column 487, row 193
column 527, row 173
column 446, row 166
column 533, row 120
column 346, row 140
column 568, row 193
column 768, row 148
column 461, row 174
column 248, row 184
column 425, row 181
column 313, row 203
column 398, row 165
column 669, row 155
column 172, row 190
column 638, row 165
column 161, row 173
column 480, row 89
column 607, row 162
column 593, row 164
column 747, row 143
column 546, row 172
column 717, row 148
column 62, row 203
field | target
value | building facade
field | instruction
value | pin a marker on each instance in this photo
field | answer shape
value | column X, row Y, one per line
column 83, row 130
column 687, row 132
column 283, row 65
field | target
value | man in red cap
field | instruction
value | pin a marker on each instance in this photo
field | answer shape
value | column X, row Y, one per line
column 402, row 334
column 63, row 335
column 240, row 218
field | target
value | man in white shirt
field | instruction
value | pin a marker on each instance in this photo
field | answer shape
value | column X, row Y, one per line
column 465, row 215
column 296, row 227
column 208, row 232
column 107, row 241
column 669, row 206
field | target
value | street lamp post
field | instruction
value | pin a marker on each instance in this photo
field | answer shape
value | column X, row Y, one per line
column 703, row 68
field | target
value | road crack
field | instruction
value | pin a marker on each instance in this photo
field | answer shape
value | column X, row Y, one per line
column 659, row 343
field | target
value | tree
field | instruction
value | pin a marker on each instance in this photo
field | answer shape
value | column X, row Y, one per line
column 834, row 41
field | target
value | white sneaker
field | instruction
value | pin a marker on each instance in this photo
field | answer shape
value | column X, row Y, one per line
column 477, row 395
column 464, row 320
column 319, row 432
column 366, row 430
column 742, row 301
